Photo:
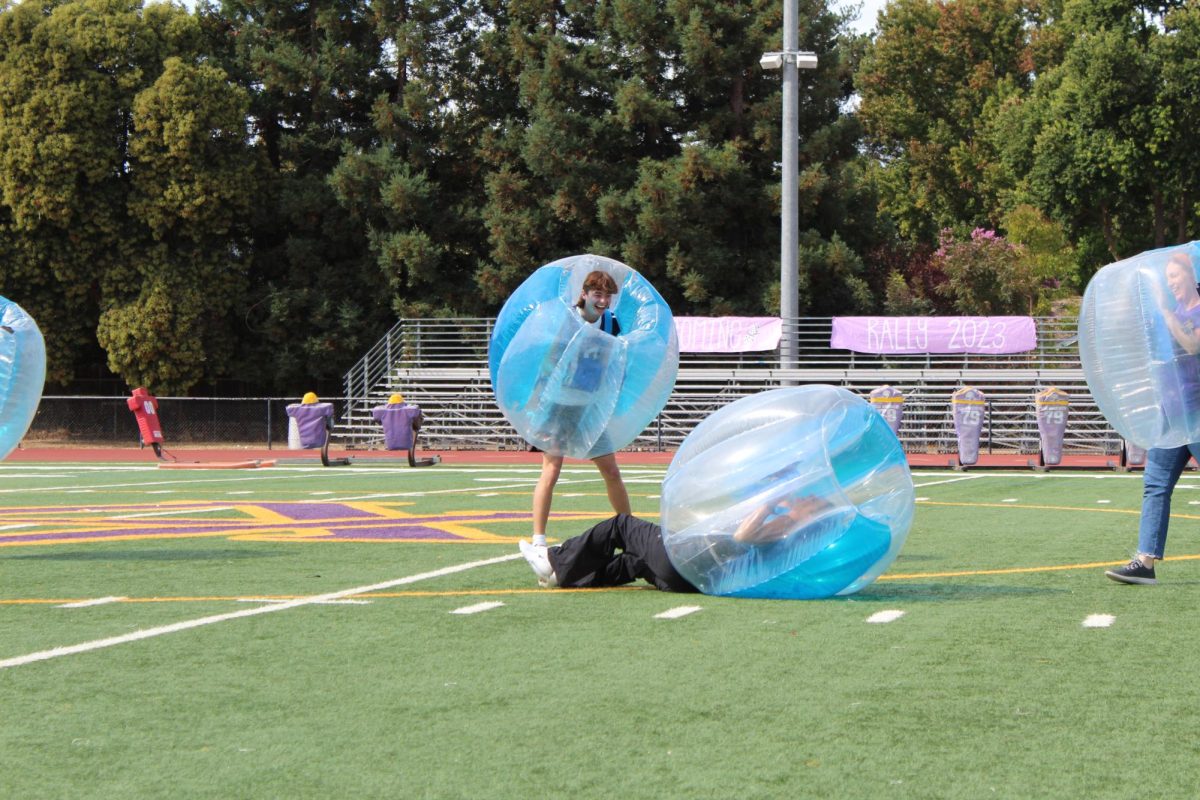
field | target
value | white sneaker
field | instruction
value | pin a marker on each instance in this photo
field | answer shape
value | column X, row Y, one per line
column 540, row 562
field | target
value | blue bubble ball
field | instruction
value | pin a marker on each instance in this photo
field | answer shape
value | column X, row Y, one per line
column 1138, row 345
column 22, row 373
column 795, row 493
column 566, row 386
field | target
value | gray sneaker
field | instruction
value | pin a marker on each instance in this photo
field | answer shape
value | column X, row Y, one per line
column 540, row 562
column 1133, row 572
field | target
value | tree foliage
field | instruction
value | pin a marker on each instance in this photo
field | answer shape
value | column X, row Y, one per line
column 925, row 84
column 253, row 190
column 121, row 160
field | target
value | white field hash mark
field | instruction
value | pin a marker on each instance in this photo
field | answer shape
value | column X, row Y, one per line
column 880, row 617
column 475, row 609
column 269, row 608
column 677, row 612
column 1098, row 620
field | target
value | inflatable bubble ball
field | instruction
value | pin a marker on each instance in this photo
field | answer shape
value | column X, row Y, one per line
column 795, row 493
column 1139, row 340
column 578, row 388
column 22, row 373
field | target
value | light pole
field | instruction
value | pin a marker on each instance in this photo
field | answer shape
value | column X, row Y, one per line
column 791, row 60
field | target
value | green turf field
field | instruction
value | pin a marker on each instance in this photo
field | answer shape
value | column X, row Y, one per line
column 292, row 633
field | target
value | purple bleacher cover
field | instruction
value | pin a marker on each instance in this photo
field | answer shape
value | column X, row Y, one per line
column 311, row 421
column 1051, row 410
column 889, row 403
column 397, row 421
column 968, row 405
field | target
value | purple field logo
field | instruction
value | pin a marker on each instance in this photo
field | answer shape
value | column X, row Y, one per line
column 275, row 522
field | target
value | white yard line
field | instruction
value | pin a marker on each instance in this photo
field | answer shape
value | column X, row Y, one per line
column 1089, row 476
column 56, row 475
column 677, row 612
column 883, row 617
column 478, row 607
column 96, row 601
column 270, row 608
column 320, row 603
column 947, row 480
column 204, row 510
column 300, row 473
column 242, row 478
column 1099, row 620
column 459, row 490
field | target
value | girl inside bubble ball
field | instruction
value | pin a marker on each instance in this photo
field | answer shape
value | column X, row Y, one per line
column 1164, row 465
column 593, row 306
column 1182, row 310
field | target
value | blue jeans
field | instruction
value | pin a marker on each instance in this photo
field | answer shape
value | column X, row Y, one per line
column 1163, row 468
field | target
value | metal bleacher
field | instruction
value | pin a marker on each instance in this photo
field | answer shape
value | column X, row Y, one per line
column 441, row 365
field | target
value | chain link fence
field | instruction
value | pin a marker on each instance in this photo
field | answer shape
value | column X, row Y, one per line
column 104, row 421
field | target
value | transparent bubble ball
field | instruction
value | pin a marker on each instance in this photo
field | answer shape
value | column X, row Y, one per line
column 1135, row 324
column 794, row 493
column 22, row 373
column 566, row 386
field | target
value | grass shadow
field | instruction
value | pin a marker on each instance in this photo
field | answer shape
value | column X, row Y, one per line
column 905, row 557
column 925, row 592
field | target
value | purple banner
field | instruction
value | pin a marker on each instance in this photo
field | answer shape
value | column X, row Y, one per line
column 728, row 334
column 995, row 335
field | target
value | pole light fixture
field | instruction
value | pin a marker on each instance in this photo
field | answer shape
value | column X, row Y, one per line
column 771, row 60
column 775, row 59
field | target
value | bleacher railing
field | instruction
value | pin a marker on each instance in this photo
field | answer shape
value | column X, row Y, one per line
column 441, row 365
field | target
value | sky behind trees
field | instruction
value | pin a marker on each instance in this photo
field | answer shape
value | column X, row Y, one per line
column 866, row 17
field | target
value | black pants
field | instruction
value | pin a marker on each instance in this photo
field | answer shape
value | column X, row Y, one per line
column 591, row 559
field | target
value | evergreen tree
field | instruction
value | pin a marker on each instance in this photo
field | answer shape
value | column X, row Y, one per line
column 417, row 190
column 647, row 131
column 314, row 70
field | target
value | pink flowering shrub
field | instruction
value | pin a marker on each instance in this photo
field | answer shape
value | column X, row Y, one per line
column 986, row 274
